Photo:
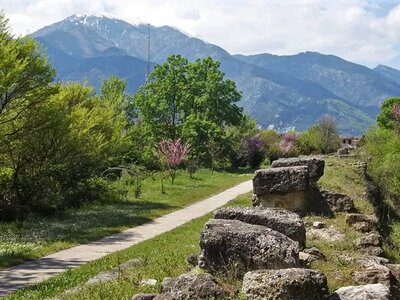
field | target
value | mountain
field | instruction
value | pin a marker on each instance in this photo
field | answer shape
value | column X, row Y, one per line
column 355, row 83
column 388, row 72
column 281, row 92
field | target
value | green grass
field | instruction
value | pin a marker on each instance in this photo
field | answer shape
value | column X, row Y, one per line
column 38, row 236
column 340, row 176
column 166, row 254
column 163, row 256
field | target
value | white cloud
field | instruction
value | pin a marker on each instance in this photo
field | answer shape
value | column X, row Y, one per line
column 365, row 31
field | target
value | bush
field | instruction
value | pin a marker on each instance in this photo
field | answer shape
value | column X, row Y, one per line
column 320, row 138
column 383, row 149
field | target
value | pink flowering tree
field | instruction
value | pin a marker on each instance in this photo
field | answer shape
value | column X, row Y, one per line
column 288, row 143
column 173, row 154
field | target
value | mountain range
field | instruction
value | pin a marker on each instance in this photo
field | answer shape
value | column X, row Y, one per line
column 280, row 92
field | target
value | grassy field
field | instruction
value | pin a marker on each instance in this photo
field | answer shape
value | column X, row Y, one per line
column 38, row 236
column 163, row 256
column 166, row 254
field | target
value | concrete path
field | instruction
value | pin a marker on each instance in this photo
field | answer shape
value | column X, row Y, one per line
column 38, row 270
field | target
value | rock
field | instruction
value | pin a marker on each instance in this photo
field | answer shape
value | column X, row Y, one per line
column 330, row 234
column 366, row 262
column 285, row 187
column 372, row 239
column 371, row 243
column 395, row 270
column 343, row 151
column 362, row 292
column 114, row 273
column 315, row 166
column 144, row 296
column 314, row 251
column 307, row 259
column 281, row 180
column 150, row 282
column 373, row 276
column 293, row 284
column 368, row 222
column 192, row 286
column 318, row 225
column 235, row 246
column 309, row 255
column 364, row 227
column 278, row 219
column 193, row 260
column 338, row 202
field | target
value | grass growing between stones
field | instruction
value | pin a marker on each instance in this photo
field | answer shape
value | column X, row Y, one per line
column 38, row 236
column 340, row 176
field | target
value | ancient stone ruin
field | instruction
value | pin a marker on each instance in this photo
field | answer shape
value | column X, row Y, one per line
column 264, row 245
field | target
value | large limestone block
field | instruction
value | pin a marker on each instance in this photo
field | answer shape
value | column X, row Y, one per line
column 362, row 292
column 279, row 219
column 286, row 187
column 285, row 284
column 237, row 247
column 315, row 166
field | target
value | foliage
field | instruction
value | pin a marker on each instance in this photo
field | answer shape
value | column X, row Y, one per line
column 173, row 154
column 386, row 118
column 237, row 142
column 191, row 101
column 269, row 140
column 383, row 149
column 320, row 138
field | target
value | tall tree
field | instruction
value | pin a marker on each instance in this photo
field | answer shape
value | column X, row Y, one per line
column 191, row 101
column 25, row 77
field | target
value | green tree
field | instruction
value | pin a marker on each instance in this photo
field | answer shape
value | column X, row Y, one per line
column 322, row 137
column 385, row 118
column 113, row 92
column 25, row 79
column 191, row 101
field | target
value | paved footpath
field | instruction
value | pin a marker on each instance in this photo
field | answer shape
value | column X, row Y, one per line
column 41, row 269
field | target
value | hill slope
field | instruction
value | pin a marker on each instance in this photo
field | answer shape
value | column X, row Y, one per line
column 280, row 92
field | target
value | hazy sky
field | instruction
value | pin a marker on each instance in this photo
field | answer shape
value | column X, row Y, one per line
column 364, row 31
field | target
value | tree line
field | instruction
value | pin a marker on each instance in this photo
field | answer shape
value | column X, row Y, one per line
column 59, row 142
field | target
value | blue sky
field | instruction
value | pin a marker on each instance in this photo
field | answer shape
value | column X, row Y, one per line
column 363, row 31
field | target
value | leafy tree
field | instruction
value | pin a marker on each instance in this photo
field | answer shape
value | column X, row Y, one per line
column 269, row 140
column 191, row 101
column 161, row 100
column 386, row 118
column 113, row 91
column 320, row 138
column 25, row 79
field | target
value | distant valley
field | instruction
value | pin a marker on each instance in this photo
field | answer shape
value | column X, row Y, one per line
column 280, row 92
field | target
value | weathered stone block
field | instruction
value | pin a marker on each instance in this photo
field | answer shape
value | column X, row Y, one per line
column 235, row 246
column 373, row 276
column 315, row 165
column 279, row 219
column 338, row 202
column 362, row 292
column 282, row 187
column 192, row 285
column 293, row 284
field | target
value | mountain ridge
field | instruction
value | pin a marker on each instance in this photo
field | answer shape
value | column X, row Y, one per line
column 279, row 93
